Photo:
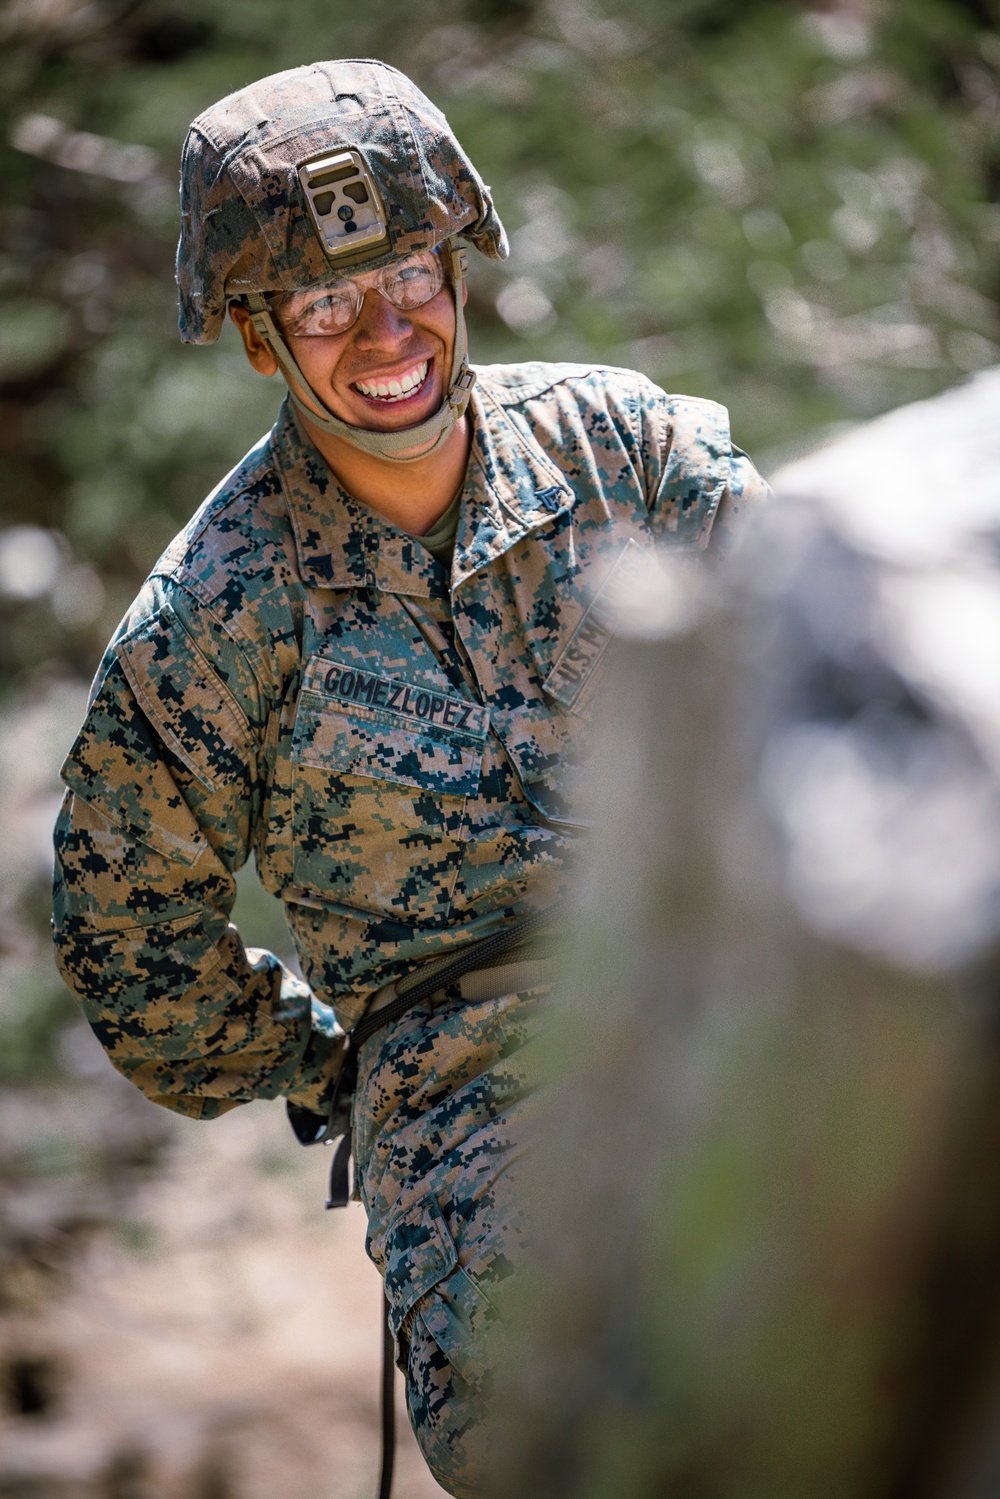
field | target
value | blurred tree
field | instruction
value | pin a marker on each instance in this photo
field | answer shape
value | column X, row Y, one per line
column 784, row 207
column 787, row 207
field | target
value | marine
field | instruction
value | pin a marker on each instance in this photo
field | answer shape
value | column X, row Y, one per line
column 368, row 663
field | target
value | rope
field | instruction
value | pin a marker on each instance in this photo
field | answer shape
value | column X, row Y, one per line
column 387, row 1406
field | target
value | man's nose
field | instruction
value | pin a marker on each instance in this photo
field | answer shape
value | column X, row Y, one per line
column 380, row 323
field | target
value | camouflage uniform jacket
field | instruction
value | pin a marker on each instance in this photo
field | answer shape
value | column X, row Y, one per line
column 302, row 681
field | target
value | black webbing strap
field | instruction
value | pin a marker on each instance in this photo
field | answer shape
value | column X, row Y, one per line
column 387, row 1405
column 485, row 954
column 312, row 1129
column 322, row 1129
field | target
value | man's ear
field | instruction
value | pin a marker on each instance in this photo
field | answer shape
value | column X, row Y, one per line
column 257, row 349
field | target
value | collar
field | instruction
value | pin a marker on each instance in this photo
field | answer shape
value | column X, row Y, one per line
column 339, row 542
column 511, row 489
column 513, row 486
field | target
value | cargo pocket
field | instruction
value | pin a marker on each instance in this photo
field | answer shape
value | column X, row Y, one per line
column 423, row 1276
column 380, row 785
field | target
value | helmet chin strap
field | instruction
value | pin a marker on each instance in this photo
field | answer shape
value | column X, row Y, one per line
column 427, row 436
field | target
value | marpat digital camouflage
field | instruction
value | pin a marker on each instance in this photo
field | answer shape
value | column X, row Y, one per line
column 245, row 224
column 397, row 747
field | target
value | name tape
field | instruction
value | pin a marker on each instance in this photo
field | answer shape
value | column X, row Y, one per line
column 588, row 642
column 351, row 685
column 586, row 647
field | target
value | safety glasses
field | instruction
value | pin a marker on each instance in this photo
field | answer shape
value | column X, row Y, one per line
column 323, row 311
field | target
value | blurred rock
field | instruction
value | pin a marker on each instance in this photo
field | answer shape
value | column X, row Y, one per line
column 767, row 1191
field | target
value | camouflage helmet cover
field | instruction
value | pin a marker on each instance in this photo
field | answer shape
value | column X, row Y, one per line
column 245, row 226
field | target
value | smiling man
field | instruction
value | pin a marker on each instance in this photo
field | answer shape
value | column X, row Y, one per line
column 368, row 662
column 378, row 351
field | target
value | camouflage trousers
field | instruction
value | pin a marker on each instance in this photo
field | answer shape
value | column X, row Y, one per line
column 442, row 1122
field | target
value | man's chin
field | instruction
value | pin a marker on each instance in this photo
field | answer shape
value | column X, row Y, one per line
column 365, row 416
column 397, row 417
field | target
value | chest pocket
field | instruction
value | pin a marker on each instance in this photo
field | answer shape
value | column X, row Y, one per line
column 381, row 774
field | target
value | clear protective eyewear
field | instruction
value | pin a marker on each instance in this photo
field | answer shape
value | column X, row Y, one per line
column 323, row 311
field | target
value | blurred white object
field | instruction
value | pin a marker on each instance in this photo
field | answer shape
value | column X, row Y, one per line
column 30, row 560
column 919, row 486
column 882, row 770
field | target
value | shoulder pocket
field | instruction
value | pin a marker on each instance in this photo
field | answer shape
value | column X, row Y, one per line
column 177, row 688
column 159, row 692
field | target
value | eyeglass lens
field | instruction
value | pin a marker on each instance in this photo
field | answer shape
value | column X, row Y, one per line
column 325, row 310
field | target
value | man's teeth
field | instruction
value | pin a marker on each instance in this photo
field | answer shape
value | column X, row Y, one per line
column 394, row 390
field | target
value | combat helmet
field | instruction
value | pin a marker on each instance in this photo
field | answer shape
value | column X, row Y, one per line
column 338, row 166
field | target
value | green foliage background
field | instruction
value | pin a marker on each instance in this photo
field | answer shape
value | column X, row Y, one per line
column 789, row 208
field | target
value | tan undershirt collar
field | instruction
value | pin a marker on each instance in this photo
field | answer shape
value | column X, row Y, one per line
column 440, row 539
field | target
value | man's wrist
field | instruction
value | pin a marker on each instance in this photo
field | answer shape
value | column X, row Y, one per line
column 314, row 1081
